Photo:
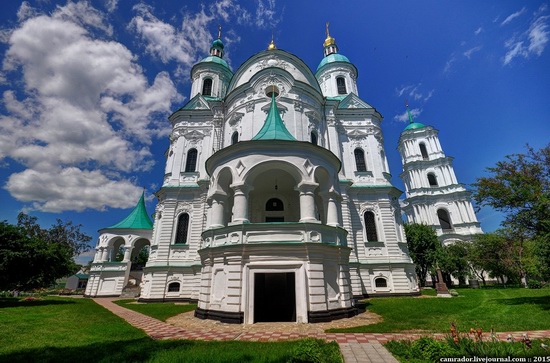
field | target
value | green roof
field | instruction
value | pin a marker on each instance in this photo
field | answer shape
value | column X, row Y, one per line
column 217, row 60
column 414, row 125
column 274, row 128
column 331, row 58
column 137, row 219
column 217, row 43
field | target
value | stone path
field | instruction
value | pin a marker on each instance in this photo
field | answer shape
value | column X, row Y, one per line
column 355, row 347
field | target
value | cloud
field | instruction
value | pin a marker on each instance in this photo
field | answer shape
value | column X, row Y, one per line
column 478, row 31
column 531, row 42
column 513, row 16
column 449, row 63
column 469, row 52
column 414, row 92
column 404, row 117
column 85, row 119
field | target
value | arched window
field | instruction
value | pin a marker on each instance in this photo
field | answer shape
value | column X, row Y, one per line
column 207, row 87
column 191, row 162
column 234, row 138
column 341, row 85
column 423, row 151
column 274, row 204
column 360, row 160
column 183, row 229
column 174, row 287
column 444, row 220
column 432, row 180
column 380, row 282
column 313, row 138
column 370, row 226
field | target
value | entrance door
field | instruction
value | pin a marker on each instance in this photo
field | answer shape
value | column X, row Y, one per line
column 274, row 297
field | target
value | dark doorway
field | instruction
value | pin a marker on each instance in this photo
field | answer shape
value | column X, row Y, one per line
column 274, row 219
column 274, row 297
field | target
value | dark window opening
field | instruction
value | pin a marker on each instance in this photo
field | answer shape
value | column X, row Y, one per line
column 191, row 162
column 313, row 138
column 234, row 138
column 360, row 160
column 207, row 87
column 274, row 204
column 380, row 282
column 423, row 151
column 183, row 228
column 444, row 220
column 370, row 226
column 341, row 84
column 174, row 287
column 432, row 180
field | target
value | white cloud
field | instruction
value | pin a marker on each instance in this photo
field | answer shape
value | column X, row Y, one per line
column 414, row 92
column 531, row 42
column 478, row 31
column 111, row 5
column 449, row 64
column 26, row 11
column 513, row 16
column 86, row 117
column 266, row 14
column 404, row 117
column 469, row 52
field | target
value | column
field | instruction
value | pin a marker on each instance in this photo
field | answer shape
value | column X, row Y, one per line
column 98, row 253
column 217, row 206
column 240, row 203
column 331, row 199
column 307, row 202
column 127, row 253
column 105, row 254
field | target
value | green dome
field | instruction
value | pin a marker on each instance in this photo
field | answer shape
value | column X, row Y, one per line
column 414, row 125
column 217, row 60
column 217, row 44
column 137, row 219
column 334, row 57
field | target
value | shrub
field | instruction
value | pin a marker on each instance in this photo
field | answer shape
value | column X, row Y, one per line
column 312, row 350
column 535, row 284
column 430, row 349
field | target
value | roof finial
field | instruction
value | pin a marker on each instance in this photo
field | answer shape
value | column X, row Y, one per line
column 329, row 41
column 219, row 31
column 271, row 45
column 328, row 34
column 408, row 111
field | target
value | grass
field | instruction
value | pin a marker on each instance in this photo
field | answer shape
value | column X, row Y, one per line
column 161, row 311
column 510, row 309
column 78, row 330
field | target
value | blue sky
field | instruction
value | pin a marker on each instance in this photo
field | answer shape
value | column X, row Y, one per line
column 86, row 86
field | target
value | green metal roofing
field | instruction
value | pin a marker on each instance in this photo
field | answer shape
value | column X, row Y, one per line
column 137, row 219
column 334, row 57
column 217, row 43
column 217, row 60
column 414, row 125
column 274, row 128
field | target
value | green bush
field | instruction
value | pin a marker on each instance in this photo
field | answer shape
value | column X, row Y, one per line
column 312, row 350
column 430, row 349
column 535, row 284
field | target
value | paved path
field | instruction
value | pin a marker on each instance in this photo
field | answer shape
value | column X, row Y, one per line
column 355, row 347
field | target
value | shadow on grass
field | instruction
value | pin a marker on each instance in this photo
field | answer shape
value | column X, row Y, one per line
column 139, row 350
column 542, row 301
column 12, row 302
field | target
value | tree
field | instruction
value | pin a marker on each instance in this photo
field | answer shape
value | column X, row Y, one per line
column 32, row 257
column 423, row 248
column 453, row 259
column 519, row 187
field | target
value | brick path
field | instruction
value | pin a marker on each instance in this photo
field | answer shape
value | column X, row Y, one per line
column 355, row 347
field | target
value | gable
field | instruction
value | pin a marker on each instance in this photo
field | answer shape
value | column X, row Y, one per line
column 197, row 103
column 353, row 101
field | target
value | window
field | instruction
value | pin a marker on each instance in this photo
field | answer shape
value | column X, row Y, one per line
column 380, row 282
column 370, row 226
column 423, row 151
column 174, row 287
column 360, row 160
column 313, row 138
column 207, row 87
column 341, row 85
column 234, row 138
column 274, row 204
column 191, row 162
column 432, row 180
column 183, row 228
column 444, row 220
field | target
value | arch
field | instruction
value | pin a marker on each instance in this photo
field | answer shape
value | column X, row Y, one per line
column 174, row 287
column 116, row 252
column 191, row 161
column 341, row 85
column 235, row 138
column 432, row 180
column 270, row 165
column 140, row 253
column 182, row 229
column 423, row 151
column 360, row 163
column 313, row 137
column 370, row 226
column 444, row 219
column 207, row 87
column 274, row 204
column 380, row 282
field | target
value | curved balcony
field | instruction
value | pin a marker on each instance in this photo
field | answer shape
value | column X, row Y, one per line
column 284, row 232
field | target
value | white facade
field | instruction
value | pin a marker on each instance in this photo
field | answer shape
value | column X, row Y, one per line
column 303, row 214
column 433, row 195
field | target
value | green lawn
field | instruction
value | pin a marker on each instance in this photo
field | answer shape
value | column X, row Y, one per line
column 79, row 330
column 508, row 309
column 161, row 311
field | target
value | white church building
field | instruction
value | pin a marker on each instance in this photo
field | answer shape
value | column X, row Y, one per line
column 277, row 202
